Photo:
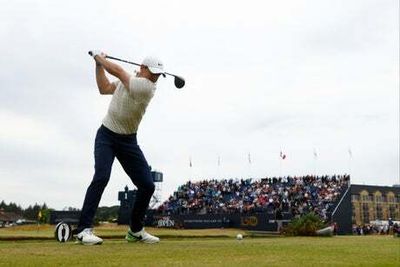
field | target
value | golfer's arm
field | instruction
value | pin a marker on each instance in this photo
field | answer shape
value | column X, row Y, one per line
column 104, row 85
column 114, row 70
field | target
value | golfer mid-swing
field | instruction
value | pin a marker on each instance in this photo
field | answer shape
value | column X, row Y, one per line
column 117, row 138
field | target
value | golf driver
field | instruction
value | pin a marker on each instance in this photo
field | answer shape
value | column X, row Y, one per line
column 179, row 81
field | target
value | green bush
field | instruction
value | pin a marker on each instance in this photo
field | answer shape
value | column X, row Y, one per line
column 306, row 225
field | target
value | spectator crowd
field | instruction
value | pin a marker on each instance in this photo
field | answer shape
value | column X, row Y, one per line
column 295, row 195
column 382, row 228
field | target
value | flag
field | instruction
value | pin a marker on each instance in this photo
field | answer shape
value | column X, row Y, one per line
column 40, row 214
column 350, row 153
column 283, row 156
column 249, row 157
column 315, row 153
column 190, row 162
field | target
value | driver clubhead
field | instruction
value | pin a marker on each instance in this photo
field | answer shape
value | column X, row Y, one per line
column 179, row 82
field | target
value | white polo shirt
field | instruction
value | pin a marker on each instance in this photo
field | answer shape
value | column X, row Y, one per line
column 127, row 107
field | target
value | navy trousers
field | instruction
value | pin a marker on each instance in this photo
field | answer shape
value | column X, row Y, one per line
column 109, row 145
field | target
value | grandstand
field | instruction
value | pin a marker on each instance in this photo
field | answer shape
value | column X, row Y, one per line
column 295, row 195
column 263, row 200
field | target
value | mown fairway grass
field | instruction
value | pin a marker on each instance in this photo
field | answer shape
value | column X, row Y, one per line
column 221, row 250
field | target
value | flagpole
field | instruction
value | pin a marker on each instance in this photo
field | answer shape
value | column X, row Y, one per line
column 249, row 171
column 218, row 167
column 350, row 166
column 316, row 167
column 350, row 161
column 282, row 157
column 191, row 169
column 38, row 221
column 315, row 162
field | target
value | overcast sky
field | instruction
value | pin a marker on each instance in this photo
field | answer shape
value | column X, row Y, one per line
column 261, row 77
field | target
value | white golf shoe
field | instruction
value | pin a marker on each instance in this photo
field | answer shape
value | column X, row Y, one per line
column 86, row 237
column 141, row 236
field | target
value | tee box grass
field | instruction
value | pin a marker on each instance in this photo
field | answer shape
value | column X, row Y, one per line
column 211, row 247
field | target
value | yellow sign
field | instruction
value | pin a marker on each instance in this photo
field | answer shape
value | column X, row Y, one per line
column 249, row 221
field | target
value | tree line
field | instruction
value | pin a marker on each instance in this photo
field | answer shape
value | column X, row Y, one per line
column 42, row 212
column 30, row 213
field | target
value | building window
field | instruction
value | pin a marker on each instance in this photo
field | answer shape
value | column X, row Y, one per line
column 365, row 213
column 364, row 195
column 379, row 214
column 392, row 212
column 378, row 196
column 365, row 198
column 355, row 197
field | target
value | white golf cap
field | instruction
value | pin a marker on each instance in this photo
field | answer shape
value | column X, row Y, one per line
column 154, row 64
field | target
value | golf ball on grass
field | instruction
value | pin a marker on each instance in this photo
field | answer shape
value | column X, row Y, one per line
column 239, row 236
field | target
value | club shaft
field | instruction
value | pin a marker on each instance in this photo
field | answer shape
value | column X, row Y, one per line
column 133, row 63
column 170, row 74
column 122, row 60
